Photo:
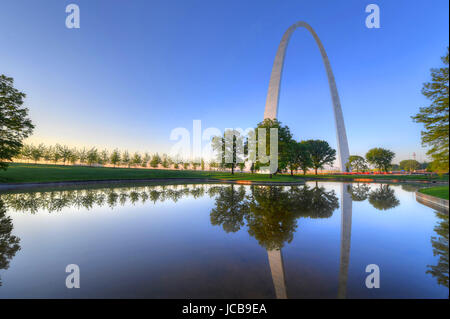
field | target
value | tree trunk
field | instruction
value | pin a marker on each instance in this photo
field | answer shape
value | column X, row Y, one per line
column 315, row 169
column 232, row 169
column 292, row 172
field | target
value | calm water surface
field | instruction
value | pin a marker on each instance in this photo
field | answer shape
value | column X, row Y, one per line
column 223, row 241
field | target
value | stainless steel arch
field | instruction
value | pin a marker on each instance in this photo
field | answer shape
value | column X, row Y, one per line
column 273, row 94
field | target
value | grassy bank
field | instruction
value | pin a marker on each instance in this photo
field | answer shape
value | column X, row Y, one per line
column 30, row 173
column 439, row 191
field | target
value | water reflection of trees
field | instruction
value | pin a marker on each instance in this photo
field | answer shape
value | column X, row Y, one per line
column 271, row 212
column 359, row 192
column 440, row 248
column 381, row 198
column 54, row 201
column 9, row 244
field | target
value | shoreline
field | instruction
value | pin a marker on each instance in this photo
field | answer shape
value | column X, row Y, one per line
column 43, row 185
column 167, row 181
column 434, row 202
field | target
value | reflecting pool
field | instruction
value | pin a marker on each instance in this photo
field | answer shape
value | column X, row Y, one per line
column 223, row 241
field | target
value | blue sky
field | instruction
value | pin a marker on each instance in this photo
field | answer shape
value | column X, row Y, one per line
column 135, row 70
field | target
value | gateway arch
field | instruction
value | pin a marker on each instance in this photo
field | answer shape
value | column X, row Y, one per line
column 273, row 94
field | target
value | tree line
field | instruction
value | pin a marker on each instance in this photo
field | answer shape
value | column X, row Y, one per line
column 92, row 156
column 295, row 155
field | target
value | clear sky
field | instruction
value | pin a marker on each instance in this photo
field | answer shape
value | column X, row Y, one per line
column 135, row 70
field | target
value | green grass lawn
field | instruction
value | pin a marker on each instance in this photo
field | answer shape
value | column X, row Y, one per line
column 28, row 173
column 438, row 191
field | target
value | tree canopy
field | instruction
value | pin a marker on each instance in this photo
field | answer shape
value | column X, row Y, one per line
column 321, row 153
column 381, row 158
column 435, row 117
column 409, row 165
column 14, row 122
column 356, row 163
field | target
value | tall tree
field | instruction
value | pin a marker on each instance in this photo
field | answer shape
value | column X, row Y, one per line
column 15, row 125
column 436, row 117
column 321, row 154
column 381, row 158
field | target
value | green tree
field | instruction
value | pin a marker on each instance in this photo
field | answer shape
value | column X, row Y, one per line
column 25, row 152
column 64, row 152
column 82, row 156
column 409, row 165
column 381, row 158
column 156, row 160
column 15, row 125
column 165, row 162
column 73, row 158
column 126, row 159
column 284, row 139
column 304, row 157
column 145, row 159
column 115, row 157
column 436, row 117
column 321, row 154
column 356, row 163
column 92, row 156
column 229, row 149
column 37, row 152
column 48, row 154
column 104, row 157
column 292, row 150
column 137, row 159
